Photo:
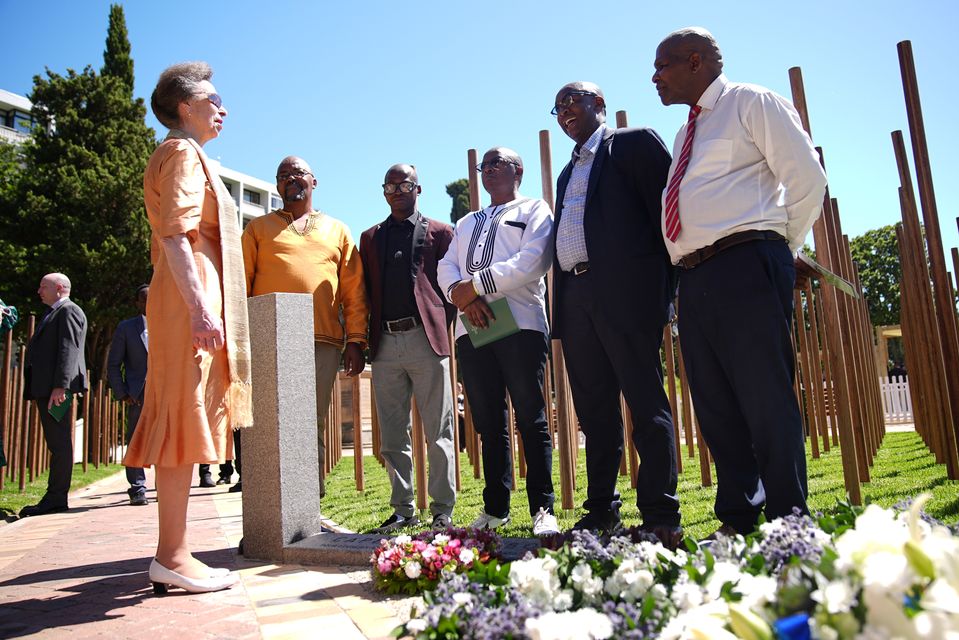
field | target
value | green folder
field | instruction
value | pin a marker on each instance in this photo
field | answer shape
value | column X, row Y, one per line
column 60, row 410
column 503, row 325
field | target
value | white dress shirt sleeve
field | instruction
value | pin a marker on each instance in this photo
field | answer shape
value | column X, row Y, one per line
column 448, row 269
column 777, row 132
column 530, row 263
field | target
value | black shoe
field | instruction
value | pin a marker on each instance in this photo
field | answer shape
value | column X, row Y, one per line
column 237, row 488
column 396, row 522
column 670, row 536
column 224, row 480
column 206, row 480
column 138, row 499
column 441, row 521
column 41, row 510
column 602, row 521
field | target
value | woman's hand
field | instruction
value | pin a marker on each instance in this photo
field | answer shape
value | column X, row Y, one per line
column 207, row 330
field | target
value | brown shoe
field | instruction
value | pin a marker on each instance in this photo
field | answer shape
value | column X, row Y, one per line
column 670, row 536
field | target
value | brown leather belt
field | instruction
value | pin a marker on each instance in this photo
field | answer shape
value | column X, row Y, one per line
column 699, row 256
column 579, row 269
column 403, row 324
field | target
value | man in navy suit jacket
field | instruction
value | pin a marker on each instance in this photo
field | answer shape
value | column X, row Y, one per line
column 612, row 294
column 54, row 370
column 127, row 373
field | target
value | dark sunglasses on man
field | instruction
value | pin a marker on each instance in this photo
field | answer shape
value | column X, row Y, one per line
column 404, row 187
column 568, row 99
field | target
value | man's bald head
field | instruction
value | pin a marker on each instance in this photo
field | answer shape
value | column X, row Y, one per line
column 406, row 169
column 506, row 153
column 687, row 62
column 53, row 286
column 293, row 162
column 689, row 40
column 295, row 182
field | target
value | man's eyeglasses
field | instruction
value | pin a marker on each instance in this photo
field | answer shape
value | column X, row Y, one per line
column 214, row 99
column 570, row 98
column 404, row 187
column 496, row 164
column 286, row 175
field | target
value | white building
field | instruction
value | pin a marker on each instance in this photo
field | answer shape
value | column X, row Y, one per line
column 253, row 197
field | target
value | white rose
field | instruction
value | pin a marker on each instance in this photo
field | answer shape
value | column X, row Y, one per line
column 467, row 555
column 412, row 569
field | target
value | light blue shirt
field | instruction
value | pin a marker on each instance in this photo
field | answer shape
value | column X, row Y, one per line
column 570, row 237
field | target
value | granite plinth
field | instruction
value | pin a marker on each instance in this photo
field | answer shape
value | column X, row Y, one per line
column 281, row 489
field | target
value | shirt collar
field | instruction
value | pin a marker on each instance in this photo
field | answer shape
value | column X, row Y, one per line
column 592, row 143
column 59, row 303
column 712, row 93
column 413, row 220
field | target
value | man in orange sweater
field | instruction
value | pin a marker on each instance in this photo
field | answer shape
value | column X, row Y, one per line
column 299, row 250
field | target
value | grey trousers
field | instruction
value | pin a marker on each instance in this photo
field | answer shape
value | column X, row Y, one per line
column 405, row 362
column 326, row 358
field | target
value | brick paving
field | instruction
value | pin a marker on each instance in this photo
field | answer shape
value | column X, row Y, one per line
column 82, row 574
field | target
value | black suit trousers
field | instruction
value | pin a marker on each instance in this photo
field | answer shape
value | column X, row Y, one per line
column 59, row 437
column 603, row 360
column 735, row 317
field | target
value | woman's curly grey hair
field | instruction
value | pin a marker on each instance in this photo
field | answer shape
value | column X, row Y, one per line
column 177, row 83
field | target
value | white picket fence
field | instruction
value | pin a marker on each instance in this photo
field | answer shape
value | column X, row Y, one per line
column 896, row 401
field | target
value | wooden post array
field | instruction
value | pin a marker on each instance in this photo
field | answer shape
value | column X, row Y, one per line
column 23, row 442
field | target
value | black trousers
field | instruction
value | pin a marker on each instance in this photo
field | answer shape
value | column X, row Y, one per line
column 603, row 360
column 735, row 317
column 58, row 434
column 516, row 364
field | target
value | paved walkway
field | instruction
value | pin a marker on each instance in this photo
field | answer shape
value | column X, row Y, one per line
column 82, row 574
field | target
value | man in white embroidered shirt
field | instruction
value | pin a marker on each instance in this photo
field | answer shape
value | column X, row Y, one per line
column 744, row 188
column 503, row 251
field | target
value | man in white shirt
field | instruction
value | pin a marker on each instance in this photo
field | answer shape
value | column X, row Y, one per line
column 503, row 251
column 744, row 188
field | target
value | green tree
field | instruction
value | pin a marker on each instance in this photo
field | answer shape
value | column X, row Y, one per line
column 876, row 255
column 459, row 191
column 116, row 58
column 77, row 201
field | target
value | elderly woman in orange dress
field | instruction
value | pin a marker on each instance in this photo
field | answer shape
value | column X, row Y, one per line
column 198, row 372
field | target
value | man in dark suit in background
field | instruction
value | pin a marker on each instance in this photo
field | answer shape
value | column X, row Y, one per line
column 410, row 346
column 54, row 371
column 127, row 373
column 613, row 287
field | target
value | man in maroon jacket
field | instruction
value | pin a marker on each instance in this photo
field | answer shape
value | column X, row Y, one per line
column 410, row 347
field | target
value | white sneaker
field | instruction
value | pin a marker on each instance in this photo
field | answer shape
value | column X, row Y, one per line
column 486, row 521
column 544, row 523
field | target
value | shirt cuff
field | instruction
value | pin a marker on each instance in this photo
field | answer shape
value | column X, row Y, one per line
column 483, row 282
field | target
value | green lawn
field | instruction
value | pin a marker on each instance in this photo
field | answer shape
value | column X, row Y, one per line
column 11, row 500
column 903, row 468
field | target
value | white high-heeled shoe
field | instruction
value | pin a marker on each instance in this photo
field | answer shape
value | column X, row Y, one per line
column 162, row 578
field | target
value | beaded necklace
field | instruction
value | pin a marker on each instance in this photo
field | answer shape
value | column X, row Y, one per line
column 307, row 228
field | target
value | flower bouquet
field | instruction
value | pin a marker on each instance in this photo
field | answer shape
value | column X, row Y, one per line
column 411, row 564
column 859, row 574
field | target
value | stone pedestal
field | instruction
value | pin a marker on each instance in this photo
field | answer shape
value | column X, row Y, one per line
column 281, row 491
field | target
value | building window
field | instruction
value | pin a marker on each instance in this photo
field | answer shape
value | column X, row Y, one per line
column 275, row 203
column 22, row 122
column 251, row 196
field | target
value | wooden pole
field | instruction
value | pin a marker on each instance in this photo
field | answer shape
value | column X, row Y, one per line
column 818, row 375
column 454, row 379
column 931, row 340
column 671, row 386
column 945, row 305
column 805, row 359
column 835, row 316
column 86, row 426
column 357, row 434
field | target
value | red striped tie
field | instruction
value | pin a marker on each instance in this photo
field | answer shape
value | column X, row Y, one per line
column 673, row 227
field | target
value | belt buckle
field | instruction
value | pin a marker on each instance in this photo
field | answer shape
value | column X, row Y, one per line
column 577, row 271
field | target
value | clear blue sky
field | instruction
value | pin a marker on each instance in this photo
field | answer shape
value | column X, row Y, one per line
column 356, row 87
